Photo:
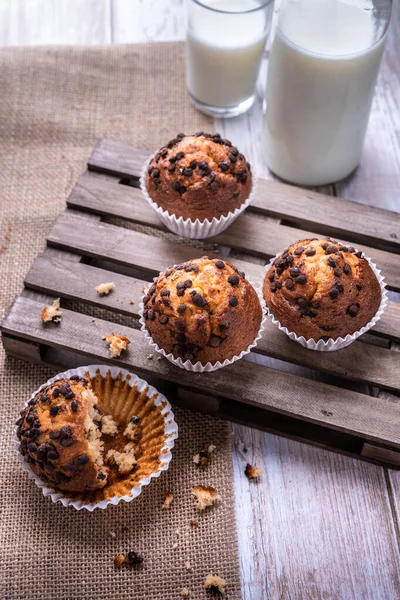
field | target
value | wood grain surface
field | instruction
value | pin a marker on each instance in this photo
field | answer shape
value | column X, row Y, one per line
column 317, row 525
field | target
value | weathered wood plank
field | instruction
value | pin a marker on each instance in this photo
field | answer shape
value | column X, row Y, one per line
column 349, row 412
column 78, row 281
column 148, row 20
column 320, row 213
column 126, row 247
column 359, row 362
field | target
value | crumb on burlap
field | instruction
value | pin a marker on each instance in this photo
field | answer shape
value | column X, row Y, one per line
column 105, row 288
column 252, row 472
column 174, row 545
column 205, row 495
column 112, row 534
column 52, row 313
column 202, row 458
column 194, row 523
column 185, row 593
column 168, row 499
column 188, row 565
column 215, row 584
column 130, row 558
column 117, row 344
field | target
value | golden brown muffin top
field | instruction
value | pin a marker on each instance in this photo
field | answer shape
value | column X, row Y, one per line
column 322, row 289
column 53, row 436
column 199, row 176
column 204, row 310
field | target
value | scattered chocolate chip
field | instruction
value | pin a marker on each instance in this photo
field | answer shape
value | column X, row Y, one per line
column 54, row 434
column 299, row 251
column 151, row 315
column 347, row 269
column 327, row 327
column 271, row 276
column 65, row 432
column 315, row 304
column 180, row 155
column 273, row 287
column 56, row 393
column 224, row 166
column 54, row 410
column 236, row 194
column 69, row 395
column 134, row 420
column 30, row 418
column 301, row 279
column 203, row 165
column 163, row 319
column 325, row 245
column 181, row 308
column 220, row 264
column 302, row 302
column 67, row 441
column 215, row 341
column 353, row 310
column 180, row 325
column 359, row 254
column 234, row 151
column 83, row 459
column 331, row 262
column 294, row 271
column 134, row 558
column 214, row 185
column 310, row 252
column 188, row 172
column 180, row 338
column 193, row 164
column 171, row 167
column 233, row 301
column 74, row 405
column 198, row 300
column 233, row 280
column 172, row 160
column 331, row 250
column 343, row 248
column 232, row 158
column 52, row 455
column 338, row 272
column 243, row 177
column 351, row 249
column 289, row 284
column 334, row 293
column 44, row 398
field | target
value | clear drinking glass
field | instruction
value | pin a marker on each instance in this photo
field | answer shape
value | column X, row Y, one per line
column 225, row 44
column 322, row 71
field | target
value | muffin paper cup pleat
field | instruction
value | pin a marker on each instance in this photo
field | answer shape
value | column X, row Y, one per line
column 170, row 430
column 196, row 230
column 198, row 367
column 333, row 345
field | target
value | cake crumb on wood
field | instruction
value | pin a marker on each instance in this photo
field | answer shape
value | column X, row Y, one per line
column 168, row 499
column 131, row 302
column 52, row 313
column 252, row 472
column 205, row 495
column 117, row 344
column 215, row 584
column 105, row 288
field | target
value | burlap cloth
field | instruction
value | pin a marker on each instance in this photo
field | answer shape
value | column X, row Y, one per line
column 54, row 104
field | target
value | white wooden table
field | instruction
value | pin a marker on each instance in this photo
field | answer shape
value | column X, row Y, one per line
column 318, row 525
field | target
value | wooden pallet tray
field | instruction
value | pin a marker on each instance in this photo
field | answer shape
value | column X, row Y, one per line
column 83, row 250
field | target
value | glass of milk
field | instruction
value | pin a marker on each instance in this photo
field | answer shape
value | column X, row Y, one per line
column 225, row 44
column 323, row 66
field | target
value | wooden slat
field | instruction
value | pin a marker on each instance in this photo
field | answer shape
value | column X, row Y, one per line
column 79, row 281
column 319, row 212
column 359, row 362
column 248, row 233
column 126, row 247
column 349, row 412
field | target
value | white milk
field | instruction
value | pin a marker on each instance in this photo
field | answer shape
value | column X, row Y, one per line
column 224, row 51
column 321, row 80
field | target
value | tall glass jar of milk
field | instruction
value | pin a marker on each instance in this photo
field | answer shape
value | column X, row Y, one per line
column 322, row 71
column 225, row 44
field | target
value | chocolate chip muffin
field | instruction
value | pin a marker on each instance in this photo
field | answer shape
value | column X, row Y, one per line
column 70, row 443
column 203, row 310
column 321, row 289
column 199, row 176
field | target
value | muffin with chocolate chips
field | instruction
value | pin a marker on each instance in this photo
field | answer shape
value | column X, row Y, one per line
column 322, row 290
column 204, row 310
column 199, row 176
column 84, row 436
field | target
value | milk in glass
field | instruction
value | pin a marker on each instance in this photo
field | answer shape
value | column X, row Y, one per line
column 224, row 51
column 322, row 71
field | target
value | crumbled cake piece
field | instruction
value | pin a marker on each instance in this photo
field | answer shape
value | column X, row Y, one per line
column 130, row 558
column 168, row 499
column 131, row 302
column 205, row 495
column 117, row 343
column 105, row 288
column 112, row 534
column 215, row 584
column 52, row 313
column 194, row 523
column 174, row 545
column 125, row 461
column 131, row 430
column 252, row 472
column 150, row 356
column 203, row 457
column 188, row 565
column 108, row 425
column 185, row 593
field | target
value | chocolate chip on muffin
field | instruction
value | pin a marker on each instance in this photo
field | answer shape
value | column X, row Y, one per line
column 199, row 177
column 213, row 316
column 52, row 313
column 317, row 287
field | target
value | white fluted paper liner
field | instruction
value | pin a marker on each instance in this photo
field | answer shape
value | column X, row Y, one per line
column 170, row 430
column 196, row 230
column 332, row 345
column 198, row 367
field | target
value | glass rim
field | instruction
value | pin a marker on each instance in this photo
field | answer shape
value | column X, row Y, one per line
column 230, row 12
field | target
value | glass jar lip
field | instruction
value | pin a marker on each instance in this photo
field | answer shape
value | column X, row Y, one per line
column 230, row 12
